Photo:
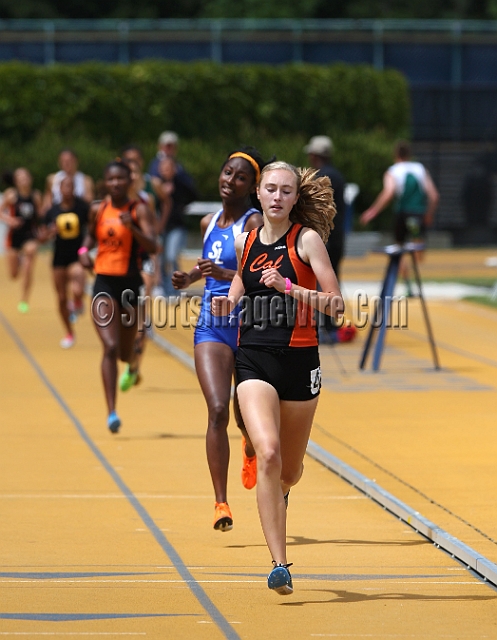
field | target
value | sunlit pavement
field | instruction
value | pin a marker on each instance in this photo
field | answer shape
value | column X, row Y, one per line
column 107, row 535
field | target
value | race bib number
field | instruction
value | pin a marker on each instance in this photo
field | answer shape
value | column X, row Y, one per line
column 315, row 380
column 67, row 226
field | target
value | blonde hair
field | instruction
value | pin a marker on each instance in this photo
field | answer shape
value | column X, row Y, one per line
column 315, row 207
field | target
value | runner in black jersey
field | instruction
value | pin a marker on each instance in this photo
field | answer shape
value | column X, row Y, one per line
column 20, row 211
column 277, row 365
column 66, row 222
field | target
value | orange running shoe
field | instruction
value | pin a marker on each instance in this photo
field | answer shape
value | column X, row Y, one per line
column 223, row 520
column 249, row 468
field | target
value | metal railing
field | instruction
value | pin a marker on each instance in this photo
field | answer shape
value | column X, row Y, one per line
column 214, row 32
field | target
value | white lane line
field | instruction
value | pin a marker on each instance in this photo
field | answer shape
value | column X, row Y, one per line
column 99, row 496
column 392, row 635
column 68, row 496
column 475, row 583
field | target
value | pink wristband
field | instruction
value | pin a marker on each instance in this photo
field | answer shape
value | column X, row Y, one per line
column 288, row 285
column 82, row 250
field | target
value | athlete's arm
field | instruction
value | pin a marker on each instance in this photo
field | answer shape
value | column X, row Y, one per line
column 224, row 305
column 9, row 199
column 49, row 227
column 144, row 229
column 152, row 206
column 90, row 237
column 183, row 279
column 433, row 198
column 47, row 196
column 44, row 231
column 314, row 252
column 37, row 199
column 385, row 196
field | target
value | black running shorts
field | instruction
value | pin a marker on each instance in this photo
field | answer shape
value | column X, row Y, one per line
column 293, row 371
column 409, row 228
column 117, row 286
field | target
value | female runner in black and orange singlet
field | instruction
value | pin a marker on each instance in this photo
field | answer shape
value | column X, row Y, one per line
column 119, row 226
column 20, row 211
column 277, row 364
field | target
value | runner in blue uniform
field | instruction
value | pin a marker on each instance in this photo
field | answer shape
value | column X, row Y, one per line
column 215, row 339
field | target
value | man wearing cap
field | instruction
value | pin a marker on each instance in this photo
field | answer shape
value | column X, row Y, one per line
column 167, row 147
column 319, row 150
column 182, row 191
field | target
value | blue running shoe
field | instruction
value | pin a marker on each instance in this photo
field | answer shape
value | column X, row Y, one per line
column 113, row 422
column 280, row 580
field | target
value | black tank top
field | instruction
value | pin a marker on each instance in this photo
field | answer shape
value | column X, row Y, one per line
column 25, row 209
column 269, row 317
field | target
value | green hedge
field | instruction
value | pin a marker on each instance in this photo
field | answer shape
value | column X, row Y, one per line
column 118, row 103
column 97, row 108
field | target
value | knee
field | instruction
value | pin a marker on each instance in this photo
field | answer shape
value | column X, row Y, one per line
column 219, row 415
column 269, row 458
column 290, row 477
column 111, row 350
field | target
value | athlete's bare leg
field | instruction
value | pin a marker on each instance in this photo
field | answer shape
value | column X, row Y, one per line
column 13, row 262
column 77, row 279
column 61, row 279
column 214, row 362
column 29, row 255
column 280, row 452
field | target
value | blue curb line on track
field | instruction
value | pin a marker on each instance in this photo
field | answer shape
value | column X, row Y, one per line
column 440, row 538
column 159, row 536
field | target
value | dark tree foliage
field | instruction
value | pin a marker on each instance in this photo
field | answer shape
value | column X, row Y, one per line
column 457, row 9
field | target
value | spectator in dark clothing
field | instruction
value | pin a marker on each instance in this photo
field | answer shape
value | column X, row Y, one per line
column 167, row 147
column 319, row 150
column 174, row 189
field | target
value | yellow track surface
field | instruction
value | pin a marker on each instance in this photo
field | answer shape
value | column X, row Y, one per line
column 111, row 536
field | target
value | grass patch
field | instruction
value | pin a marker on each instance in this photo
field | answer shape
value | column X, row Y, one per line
column 483, row 281
column 484, row 300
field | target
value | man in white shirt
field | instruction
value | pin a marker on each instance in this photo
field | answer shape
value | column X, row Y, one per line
column 68, row 166
column 415, row 198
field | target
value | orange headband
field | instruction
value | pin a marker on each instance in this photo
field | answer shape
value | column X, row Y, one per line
column 245, row 156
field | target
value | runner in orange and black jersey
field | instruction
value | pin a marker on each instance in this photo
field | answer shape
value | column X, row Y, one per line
column 277, row 364
column 118, row 226
column 285, row 325
column 148, row 264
